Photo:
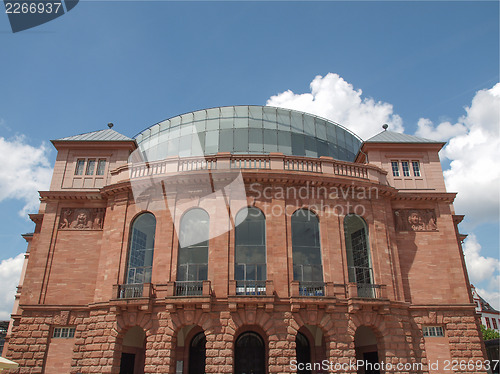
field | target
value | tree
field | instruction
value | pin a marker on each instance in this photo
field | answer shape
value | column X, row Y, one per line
column 489, row 334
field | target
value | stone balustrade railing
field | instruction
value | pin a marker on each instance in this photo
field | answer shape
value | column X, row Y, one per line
column 272, row 161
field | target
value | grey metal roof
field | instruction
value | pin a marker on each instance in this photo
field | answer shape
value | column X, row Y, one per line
column 108, row 135
column 396, row 137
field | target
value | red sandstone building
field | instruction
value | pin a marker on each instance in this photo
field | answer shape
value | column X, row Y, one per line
column 245, row 239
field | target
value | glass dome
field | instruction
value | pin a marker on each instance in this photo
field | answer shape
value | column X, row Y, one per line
column 248, row 130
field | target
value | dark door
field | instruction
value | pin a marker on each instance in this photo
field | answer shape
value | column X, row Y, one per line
column 127, row 363
column 197, row 354
column 250, row 354
column 303, row 352
column 371, row 358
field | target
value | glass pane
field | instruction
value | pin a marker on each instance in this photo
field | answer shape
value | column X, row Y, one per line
column 283, row 120
column 269, row 115
column 241, row 111
column 185, row 146
column 101, row 165
column 255, row 123
column 322, row 148
column 212, row 124
column 310, row 146
column 194, row 228
column 90, row 167
column 285, row 142
column 330, row 133
column 226, row 123
column 212, row 142
column 297, row 122
column 321, row 129
column 241, row 140
column 227, row 112
column 200, row 115
column 226, row 141
column 298, row 145
column 241, row 123
column 173, row 147
column 309, row 127
column 255, row 140
column 79, row 167
column 174, row 122
column 270, row 141
column 256, row 112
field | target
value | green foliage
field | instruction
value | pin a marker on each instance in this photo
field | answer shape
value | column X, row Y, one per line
column 489, row 334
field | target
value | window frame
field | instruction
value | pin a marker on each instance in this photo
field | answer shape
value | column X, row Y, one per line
column 433, row 331
column 63, row 332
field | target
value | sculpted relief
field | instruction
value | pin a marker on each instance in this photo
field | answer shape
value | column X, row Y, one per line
column 415, row 220
column 81, row 219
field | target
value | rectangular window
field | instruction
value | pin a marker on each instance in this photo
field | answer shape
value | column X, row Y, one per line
column 395, row 168
column 64, row 332
column 488, row 325
column 416, row 168
column 433, row 331
column 90, row 167
column 101, row 166
column 80, row 163
column 406, row 168
column 495, row 326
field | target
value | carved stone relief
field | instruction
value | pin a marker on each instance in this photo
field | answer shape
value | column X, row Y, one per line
column 81, row 219
column 415, row 220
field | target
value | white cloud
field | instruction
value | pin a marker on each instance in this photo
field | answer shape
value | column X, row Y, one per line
column 333, row 98
column 483, row 270
column 24, row 171
column 10, row 273
column 442, row 132
column 474, row 168
column 480, row 268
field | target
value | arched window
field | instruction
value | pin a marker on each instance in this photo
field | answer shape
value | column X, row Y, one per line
column 250, row 252
column 358, row 256
column 306, row 253
column 250, row 354
column 141, row 248
column 192, row 267
column 197, row 354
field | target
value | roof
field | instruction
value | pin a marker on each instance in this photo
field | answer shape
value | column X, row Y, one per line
column 396, row 137
column 108, row 135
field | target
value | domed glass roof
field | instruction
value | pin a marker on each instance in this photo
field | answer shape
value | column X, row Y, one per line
column 248, row 130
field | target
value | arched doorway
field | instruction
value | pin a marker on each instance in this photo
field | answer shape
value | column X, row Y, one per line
column 197, row 355
column 250, row 354
column 133, row 351
column 365, row 343
column 303, row 353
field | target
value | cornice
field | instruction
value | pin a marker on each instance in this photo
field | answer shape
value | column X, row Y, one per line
column 421, row 196
column 70, row 195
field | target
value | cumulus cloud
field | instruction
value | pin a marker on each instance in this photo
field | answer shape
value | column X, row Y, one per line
column 24, row 171
column 333, row 98
column 483, row 270
column 473, row 150
column 10, row 273
column 442, row 132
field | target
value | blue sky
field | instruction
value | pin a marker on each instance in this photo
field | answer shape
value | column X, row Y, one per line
column 136, row 63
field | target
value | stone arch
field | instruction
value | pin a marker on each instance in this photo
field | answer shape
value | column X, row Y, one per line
column 125, row 322
column 251, row 351
column 318, row 327
column 376, row 323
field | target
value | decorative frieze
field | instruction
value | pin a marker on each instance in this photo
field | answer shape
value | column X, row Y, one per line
column 81, row 219
column 415, row 220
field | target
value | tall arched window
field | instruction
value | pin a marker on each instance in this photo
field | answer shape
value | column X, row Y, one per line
column 250, row 252
column 141, row 248
column 358, row 255
column 306, row 253
column 192, row 267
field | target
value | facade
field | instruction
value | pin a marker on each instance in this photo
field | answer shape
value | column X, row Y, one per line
column 489, row 316
column 245, row 240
